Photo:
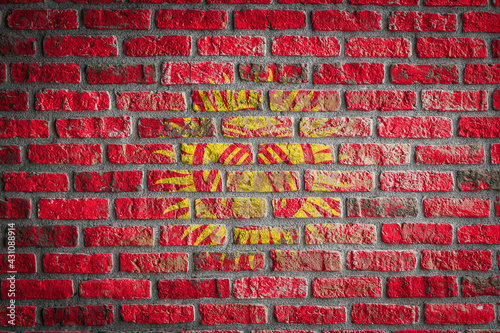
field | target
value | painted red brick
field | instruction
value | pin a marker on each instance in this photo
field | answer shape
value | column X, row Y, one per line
column 306, row 206
column 384, row 314
column 349, row 73
column 270, row 287
column 416, row 181
column 46, row 236
column 481, row 22
column 422, row 286
column 416, row 21
column 15, row 209
column 13, row 100
column 151, row 208
column 16, row 46
column 77, row 263
column 194, row 288
column 461, row 260
column 116, row 288
column 10, row 154
column 199, row 181
column 378, row 47
column 165, row 262
column 73, row 209
column 197, row 73
column 381, row 261
column 193, row 234
column 151, row 46
column 425, row 74
column 38, row 289
column 479, row 127
column 479, row 234
column 166, row 1
column 259, row 19
column 274, row 72
column 414, row 127
column 117, row 19
column 23, row 263
column 65, row 154
column 306, row 46
column 452, row 207
column 119, row 236
column 151, row 101
column 450, row 47
column 33, row 19
column 231, row 46
column 388, row 100
column 454, row 3
column 417, row 233
column 339, row 181
column 374, row 154
column 478, row 179
column 3, row 73
column 89, row 1
column 317, row 100
column 23, row 128
column 121, row 74
column 381, row 207
column 86, row 315
column 142, row 154
column 176, row 127
column 383, row 3
column 454, row 314
column 309, row 314
column 315, row 2
column 482, row 73
column 336, row 233
column 229, row 261
column 25, row 316
column 346, row 287
column 441, row 100
column 191, row 19
column 80, row 46
column 233, row 2
column 45, row 72
column 303, row 261
column 116, row 181
column 337, row 20
column 67, row 100
column 476, row 286
column 94, row 127
column 216, row 314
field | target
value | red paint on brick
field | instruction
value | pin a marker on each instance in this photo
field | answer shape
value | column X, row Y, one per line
column 390, row 100
column 417, row 233
column 374, row 154
column 476, row 286
column 151, row 208
column 437, row 155
column 416, row 21
column 23, row 128
column 73, row 209
column 37, row 289
column 23, row 263
column 215, row 314
column 197, row 73
column 450, row 47
column 274, row 72
column 425, row 74
column 32, row 19
column 13, row 100
column 270, row 287
column 15, row 209
column 16, row 46
column 45, row 72
column 229, row 261
column 452, row 207
column 151, row 46
column 337, row 20
column 259, row 19
column 441, row 100
column 151, row 101
column 116, row 181
column 384, row 314
column 414, row 127
column 349, row 73
column 378, row 47
column 66, row 100
column 117, row 19
column 481, row 22
column 303, row 261
column 194, row 288
column 496, row 48
column 289, row 207
column 482, row 73
column 116, row 288
column 86, row 315
column 121, row 74
column 306, row 46
column 119, row 236
column 346, row 287
column 25, row 316
column 41, row 182
column 65, row 154
column 337, row 233
column 422, row 286
column 77, row 263
column 198, row 180
column 416, row 181
column 192, row 235
column 165, row 262
column 141, row 154
column 94, row 127
column 381, row 207
column 46, row 236
column 191, row 19
column 479, row 127
column 454, row 314
column 461, row 260
column 381, row 261
column 339, row 181
column 479, row 234
column 10, row 154
column 80, row 46
column 231, row 46
column 309, row 314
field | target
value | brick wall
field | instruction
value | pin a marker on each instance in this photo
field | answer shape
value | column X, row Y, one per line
column 306, row 165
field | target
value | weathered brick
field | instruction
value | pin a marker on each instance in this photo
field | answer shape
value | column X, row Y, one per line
column 36, row 182
column 194, row 288
column 337, row 20
column 417, row 233
column 120, row 74
column 478, row 179
column 77, row 263
column 23, row 128
column 25, row 316
column 73, row 209
column 303, row 261
column 274, row 72
column 481, row 22
column 416, row 181
column 227, row 100
column 309, row 314
column 222, row 153
column 40, row 19
column 381, row 207
column 13, row 100
column 346, row 287
column 384, row 314
column 119, row 236
column 454, row 3
column 477, row 286
column 453, row 207
column 304, row 100
column 46, row 236
column 157, row 313
column 496, row 48
column 3, row 72
column 266, row 235
column 66, row 100
column 117, row 19
column 151, row 208
column 10, row 154
column 294, row 153
column 339, row 181
column 495, row 153
column 378, row 47
column 461, row 260
column 453, row 314
column 262, row 181
column 37, row 289
column 335, row 127
column 374, row 154
column 176, row 127
column 116, row 181
column 270, row 287
column 388, row 100
column 197, row 73
column 151, row 101
column 479, row 127
column 116, row 288
column 414, row 127
column 151, row 46
column 216, row 314
column 229, row 261
column 142, row 154
column 441, row 100
column 230, row 208
column 15, row 209
column 482, row 73
column 94, row 127
column 23, row 263
column 154, row 262
column 184, row 181
column 460, row 154
column 349, row 73
column 336, row 233
column 193, row 235
column 479, row 234
column 422, row 286
column 431, row 47
column 417, row 21
column 425, row 74
column 381, row 261
column 250, row 127
column 80, row 46
column 307, row 207
column 191, row 19
column 232, row 46
column 258, row 19
column 16, row 46
column 45, row 72
column 306, row 46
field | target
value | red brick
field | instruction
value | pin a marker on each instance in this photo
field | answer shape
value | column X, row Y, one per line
column 194, row 288
column 442, row 100
column 19, row 1
column 461, row 260
column 117, row 19
column 497, row 207
column 476, row 286
column 45, row 72
column 154, row 262
column 478, row 179
column 3, row 73
column 80, row 46
column 142, row 154
column 233, row 2
column 452, row 207
column 349, row 73
column 481, row 22
column 258, row 19
column 381, row 261
column 307, row 207
column 479, row 127
column 270, row 287
column 176, row 127
column 306, row 46
column 303, row 261
column 229, row 261
column 46, row 236
column 374, row 154
column 252, row 234
column 384, row 314
column 496, row 49
column 73, row 209
column 346, row 287
column 116, row 181
column 309, row 314
column 157, row 313
column 389, row 100
column 87, row 315
column 66, row 100
column 184, row 181
column 304, row 100
column 314, row 2
column 482, row 73
column 216, row 314
column 166, row 1
column 77, row 263
column 336, row 233
column 32, row 19
column 151, row 208
column 414, row 127
column 231, row 46
column 417, row 233
column 378, row 47
column 422, row 286
column 416, row 181
column 380, row 331
column 197, row 73
column 23, row 128
column 10, row 154
column 13, row 100
column 337, row 20
column 15, row 209
column 151, row 101
column 121, row 74
column 383, row 3
column 16, row 46
column 416, row 21
column 425, row 74
column 455, row 3
column 88, row 1
column 454, row 314
column 116, row 288
column 226, row 100
column 37, row 289
column 119, row 236
column 25, row 316
column 381, row 207
column 431, row 47
column 192, row 235
column 191, row 19
column 65, row 154
column 479, row 234
column 151, row 46
column 23, row 263
column 94, row 127
column 335, row 127
column 274, row 72
column 338, row 181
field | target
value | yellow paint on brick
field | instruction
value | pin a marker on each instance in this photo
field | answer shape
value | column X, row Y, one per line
column 183, row 204
column 264, row 235
column 236, row 100
column 241, row 208
column 169, row 153
column 186, row 180
column 295, row 153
